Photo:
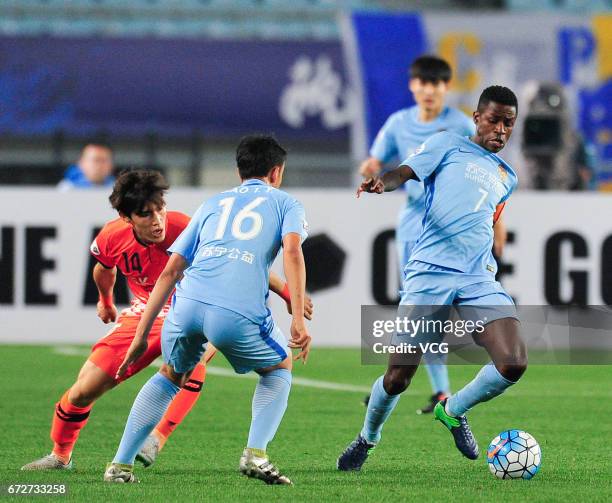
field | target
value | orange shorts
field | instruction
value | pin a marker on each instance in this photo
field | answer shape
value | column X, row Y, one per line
column 108, row 353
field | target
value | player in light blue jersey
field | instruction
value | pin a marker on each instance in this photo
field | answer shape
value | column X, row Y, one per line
column 221, row 262
column 466, row 186
column 401, row 134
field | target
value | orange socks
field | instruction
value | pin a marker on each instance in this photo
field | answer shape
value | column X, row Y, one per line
column 67, row 423
column 181, row 405
column 69, row 419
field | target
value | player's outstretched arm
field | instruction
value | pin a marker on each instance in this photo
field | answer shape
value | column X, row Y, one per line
column 159, row 296
column 280, row 288
column 105, row 281
column 295, row 272
column 397, row 177
column 388, row 182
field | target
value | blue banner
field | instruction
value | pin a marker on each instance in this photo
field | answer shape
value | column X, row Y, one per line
column 172, row 87
column 386, row 45
column 585, row 67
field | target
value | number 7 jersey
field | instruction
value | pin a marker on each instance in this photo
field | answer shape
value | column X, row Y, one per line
column 230, row 244
column 464, row 184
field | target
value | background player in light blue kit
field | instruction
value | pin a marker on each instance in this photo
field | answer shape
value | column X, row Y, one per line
column 466, row 186
column 222, row 260
column 401, row 134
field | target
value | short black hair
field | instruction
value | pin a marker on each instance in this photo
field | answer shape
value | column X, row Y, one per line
column 430, row 69
column 498, row 94
column 257, row 154
column 135, row 189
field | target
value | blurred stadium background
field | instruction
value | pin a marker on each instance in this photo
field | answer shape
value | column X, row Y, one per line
column 172, row 85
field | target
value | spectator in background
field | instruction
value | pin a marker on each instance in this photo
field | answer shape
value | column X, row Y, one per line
column 94, row 169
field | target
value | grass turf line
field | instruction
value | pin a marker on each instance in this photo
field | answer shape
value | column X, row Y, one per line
column 564, row 407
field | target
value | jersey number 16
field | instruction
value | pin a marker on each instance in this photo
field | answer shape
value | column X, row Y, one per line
column 245, row 215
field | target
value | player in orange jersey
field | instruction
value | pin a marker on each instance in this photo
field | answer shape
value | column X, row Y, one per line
column 136, row 244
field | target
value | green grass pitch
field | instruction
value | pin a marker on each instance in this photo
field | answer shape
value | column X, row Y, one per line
column 567, row 408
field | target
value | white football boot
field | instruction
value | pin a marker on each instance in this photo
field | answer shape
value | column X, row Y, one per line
column 116, row 472
column 48, row 462
column 260, row 468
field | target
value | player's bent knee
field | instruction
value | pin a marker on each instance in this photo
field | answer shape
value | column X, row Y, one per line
column 169, row 373
column 91, row 384
column 82, row 396
column 513, row 371
column 396, row 382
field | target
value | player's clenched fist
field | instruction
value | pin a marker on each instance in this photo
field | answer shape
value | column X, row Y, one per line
column 300, row 339
column 107, row 313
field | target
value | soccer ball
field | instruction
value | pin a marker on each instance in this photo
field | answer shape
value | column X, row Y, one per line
column 514, row 454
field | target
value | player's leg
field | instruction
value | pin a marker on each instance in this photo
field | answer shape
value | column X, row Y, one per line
column 147, row 410
column 427, row 288
column 501, row 339
column 268, row 408
column 384, row 397
column 183, row 345
column 73, row 410
column 263, row 349
column 179, row 408
column 435, row 364
column 507, row 350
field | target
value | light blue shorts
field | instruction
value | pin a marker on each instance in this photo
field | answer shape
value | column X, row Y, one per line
column 248, row 346
column 428, row 293
column 427, row 284
column 477, row 296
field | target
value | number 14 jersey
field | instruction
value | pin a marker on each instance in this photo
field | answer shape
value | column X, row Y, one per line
column 230, row 244
column 116, row 245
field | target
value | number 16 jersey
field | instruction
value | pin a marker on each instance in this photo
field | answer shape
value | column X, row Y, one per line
column 230, row 244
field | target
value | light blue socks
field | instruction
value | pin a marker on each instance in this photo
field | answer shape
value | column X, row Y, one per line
column 269, row 405
column 487, row 384
column 380, row 406
column 148, row 409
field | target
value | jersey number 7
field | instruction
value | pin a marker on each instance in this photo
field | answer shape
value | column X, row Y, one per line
column 482, row 199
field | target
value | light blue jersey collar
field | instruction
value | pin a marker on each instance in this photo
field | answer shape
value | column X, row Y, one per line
column 253, row 181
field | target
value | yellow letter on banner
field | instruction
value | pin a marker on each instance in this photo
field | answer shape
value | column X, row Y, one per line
column 448, row 48
column 602, row 29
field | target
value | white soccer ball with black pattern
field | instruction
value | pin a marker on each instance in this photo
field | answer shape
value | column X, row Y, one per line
column 514, row 454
